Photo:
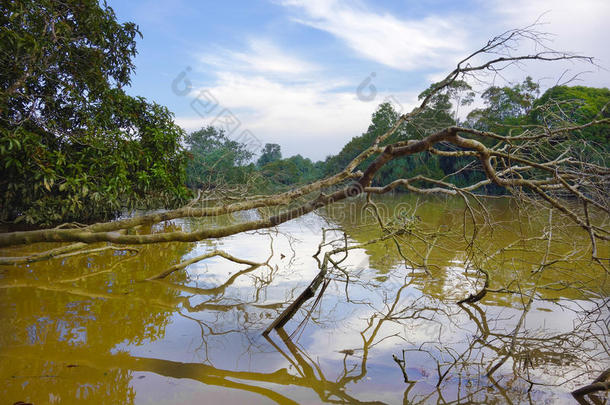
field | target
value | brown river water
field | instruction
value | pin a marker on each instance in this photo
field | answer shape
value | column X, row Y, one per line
column 91, row 329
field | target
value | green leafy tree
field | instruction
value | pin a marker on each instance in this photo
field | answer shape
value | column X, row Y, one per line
column 505, row 105
column 577, row 104
column 308, row 170
column 271, row 152
column 281, row 172
column 215, row 159
column 74, row 146
column 508, row 108
column 442, row 108
column 381, row 121
column 293, row 170
column 438, row 114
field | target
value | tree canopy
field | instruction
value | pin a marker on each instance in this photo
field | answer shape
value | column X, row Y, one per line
column 578, row 104
column 271, row 152
column 74, row 145
column 214, row 159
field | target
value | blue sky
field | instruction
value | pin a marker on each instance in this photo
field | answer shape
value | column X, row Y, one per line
column 288, row 71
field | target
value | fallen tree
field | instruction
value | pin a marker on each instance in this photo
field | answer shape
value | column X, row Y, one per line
column 532, row 160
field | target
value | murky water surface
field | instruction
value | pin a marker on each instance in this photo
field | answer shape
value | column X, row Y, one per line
column 91, row 329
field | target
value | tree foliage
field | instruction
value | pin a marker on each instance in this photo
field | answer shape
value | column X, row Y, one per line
column 293, row 170
column 506, row 110
column 215, row 159
column 505, row 105
column 437, row 114
column 271, row 152
column 381, row 121
column 578, row 104
column 74, row 146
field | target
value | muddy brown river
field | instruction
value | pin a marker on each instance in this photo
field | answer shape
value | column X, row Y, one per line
column 387, row 329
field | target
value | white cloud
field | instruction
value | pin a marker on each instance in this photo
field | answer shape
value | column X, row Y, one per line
column 579, row 27
column 283, row 99
column 401, row 44
column 310, row 118
column 573, row 27
column 437, row 41
column 262, row 56
column 582, row 24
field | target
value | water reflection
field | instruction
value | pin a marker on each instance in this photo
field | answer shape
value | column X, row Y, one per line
column 92, row 328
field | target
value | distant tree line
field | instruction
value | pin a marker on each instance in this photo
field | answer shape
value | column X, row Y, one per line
column 508, row 110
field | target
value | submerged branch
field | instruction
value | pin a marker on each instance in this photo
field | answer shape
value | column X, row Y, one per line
column 213, row 253
column 601, row 383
